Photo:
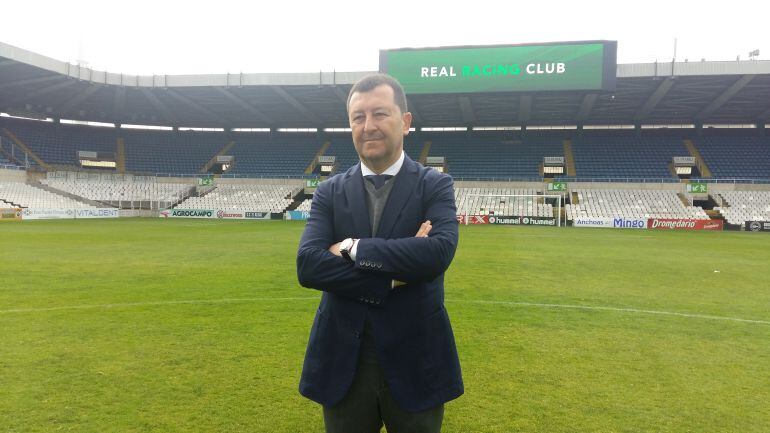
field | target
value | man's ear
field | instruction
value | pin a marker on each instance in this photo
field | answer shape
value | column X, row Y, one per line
column 407, row 119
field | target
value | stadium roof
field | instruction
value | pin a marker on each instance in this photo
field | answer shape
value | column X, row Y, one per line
column 33, row 85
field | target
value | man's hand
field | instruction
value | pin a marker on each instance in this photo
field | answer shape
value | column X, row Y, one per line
column 424, row 230
column 335, row 249
column 421, row 233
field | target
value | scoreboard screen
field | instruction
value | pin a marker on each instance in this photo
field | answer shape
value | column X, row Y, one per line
column 504, row 68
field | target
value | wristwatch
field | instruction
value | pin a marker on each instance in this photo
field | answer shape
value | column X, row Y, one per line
column 345, row 247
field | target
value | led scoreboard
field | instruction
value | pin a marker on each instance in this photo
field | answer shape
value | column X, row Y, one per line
column 589, row 65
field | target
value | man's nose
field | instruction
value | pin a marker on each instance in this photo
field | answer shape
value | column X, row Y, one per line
column 370, row 124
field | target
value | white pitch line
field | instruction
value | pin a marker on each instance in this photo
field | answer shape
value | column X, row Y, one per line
column 622, row 310
column 514, row 303
column 148, row 304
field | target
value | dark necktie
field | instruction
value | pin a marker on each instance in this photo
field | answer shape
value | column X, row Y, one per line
column 378, row 180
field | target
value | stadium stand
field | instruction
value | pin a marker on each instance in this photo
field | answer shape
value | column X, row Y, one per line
column 58, row 144
column 741, row 206
column 181, row 152
column 631, row 204
column 469, row 203
column 116, row 192
column 342, row 148
column 609, row 155
column 304, row 205
column 470, row 155
column 12, row 154
column 261, row 198
column 21, row 194
column 492, row 155
column 736, row 156
column 273, row 155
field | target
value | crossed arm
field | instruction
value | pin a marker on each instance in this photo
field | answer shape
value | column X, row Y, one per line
column 421, row 233
column 410, row 259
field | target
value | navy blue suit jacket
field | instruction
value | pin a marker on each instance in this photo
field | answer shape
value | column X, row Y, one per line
column 415, row 344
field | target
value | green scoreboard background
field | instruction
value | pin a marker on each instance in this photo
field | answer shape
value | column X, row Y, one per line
column 588, row 65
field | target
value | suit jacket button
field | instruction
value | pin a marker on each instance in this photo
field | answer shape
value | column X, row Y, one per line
column 377, row 301
column 379, row 265
column 361, row 263
column 357, row 334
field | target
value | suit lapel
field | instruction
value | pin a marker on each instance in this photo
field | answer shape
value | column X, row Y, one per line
column 402, row 189
column 354, row 192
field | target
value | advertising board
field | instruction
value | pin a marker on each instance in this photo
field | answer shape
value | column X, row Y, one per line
column 61, row 213
column 473, row 219
column 757, row 226
column 507, row 220
column 297, row 215
column 214, row 214
column 614, row 222
column 684, row 224
column 10, row 214
column 582, row 65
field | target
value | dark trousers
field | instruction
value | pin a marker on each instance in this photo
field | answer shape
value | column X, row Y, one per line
column 368, row 405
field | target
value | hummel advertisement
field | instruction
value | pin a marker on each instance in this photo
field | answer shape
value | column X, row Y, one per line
column 757, row 226
column 522, row 220
column 506, row 220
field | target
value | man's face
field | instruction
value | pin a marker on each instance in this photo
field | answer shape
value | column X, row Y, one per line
column 378, row 127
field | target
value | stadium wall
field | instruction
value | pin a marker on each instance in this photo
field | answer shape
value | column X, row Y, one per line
column 12, row 175
column 714, row 188
column 667, row 186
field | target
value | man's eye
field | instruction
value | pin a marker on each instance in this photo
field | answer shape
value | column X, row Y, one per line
column 381, row 114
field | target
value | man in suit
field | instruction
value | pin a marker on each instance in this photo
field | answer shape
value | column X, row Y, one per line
column 377, row 242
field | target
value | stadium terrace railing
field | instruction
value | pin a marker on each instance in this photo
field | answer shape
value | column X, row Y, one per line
column 240, row 176
column 501, row 179
column 610, row 180
column 717, row 180
column 262, row 176
column 12, row 167
column 570, row 179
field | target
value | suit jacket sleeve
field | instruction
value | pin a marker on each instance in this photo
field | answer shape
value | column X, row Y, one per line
column 319, row 269
column 413, row 259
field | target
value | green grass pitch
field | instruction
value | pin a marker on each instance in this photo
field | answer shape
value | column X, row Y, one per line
column 144, row 325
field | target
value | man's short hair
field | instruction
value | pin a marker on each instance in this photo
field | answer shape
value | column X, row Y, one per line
column 370, row 82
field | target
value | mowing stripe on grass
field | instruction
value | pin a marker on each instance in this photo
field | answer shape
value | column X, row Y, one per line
column 622, row 310
column 307, row 298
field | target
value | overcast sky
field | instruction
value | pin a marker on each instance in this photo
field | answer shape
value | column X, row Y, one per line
column 176, row 37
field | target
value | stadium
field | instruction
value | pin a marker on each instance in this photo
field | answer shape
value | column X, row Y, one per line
column 611, row 273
